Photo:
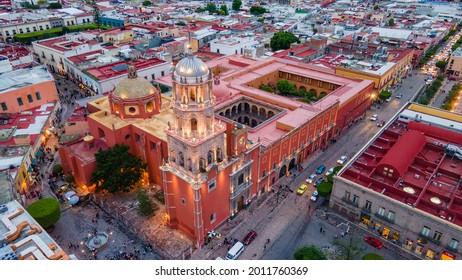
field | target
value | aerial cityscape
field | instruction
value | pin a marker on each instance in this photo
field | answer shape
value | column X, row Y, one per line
column 224, row 130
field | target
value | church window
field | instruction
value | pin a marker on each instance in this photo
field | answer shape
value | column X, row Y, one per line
column 172, row 156
column 149, row 106
column 132, row 110
column 202, row 164
column 181, row 159
column 210, row 157
column 219, row 155
column 192, row 95
column 190, row 165
column 193, row 124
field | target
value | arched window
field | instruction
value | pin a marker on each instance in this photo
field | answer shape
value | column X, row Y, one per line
column 219, row 155
column 115, row 106
column 192, row 95
column 150, row 106
column 209, row 157
column 202, row 164
column 172, row 156
column 178, row 121
column 193, row 124
column 190, row 165
column 181, row 159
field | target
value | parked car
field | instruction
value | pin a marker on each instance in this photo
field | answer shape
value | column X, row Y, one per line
column 330, row 171
column 319, row 181
column 399, row 96
column 342, row 160
column 310, row 179
column 373, row 242
column 320, row 169
column 388, row 99
column 314, row 196
column 374, row 118
column 302, row 189
column 249, row 237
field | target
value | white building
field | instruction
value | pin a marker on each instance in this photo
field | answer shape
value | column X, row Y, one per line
column 232, row 45
column 52, row 51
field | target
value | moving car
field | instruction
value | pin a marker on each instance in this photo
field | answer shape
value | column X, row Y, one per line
column 373, row 242
column 314, row 197
column 374, row 118
column 330, row 171
column 342, row 160
column 320, row 169
column 380, row 124
column 311, row 178
column 235, row 251
column 319, row 181
column 302, row 189
column 249, row 237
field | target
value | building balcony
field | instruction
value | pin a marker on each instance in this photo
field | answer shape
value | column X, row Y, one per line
column 351, row 202
column 240, row 189
column 385, row 218
column 452, row 249
column 367, row 210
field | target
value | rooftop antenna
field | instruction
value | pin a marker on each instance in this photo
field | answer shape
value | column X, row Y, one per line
column 189, row 51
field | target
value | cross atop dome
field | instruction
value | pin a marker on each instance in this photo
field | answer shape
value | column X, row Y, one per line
column 132, row 72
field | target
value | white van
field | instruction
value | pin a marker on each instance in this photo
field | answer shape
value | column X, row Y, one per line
column 235, row 252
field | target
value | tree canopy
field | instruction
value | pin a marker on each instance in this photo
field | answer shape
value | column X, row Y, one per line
column 282, row 40
column 372, row 256
column 324, row 188
column 391, row 22
column 257, row 10
column 211, row 8
column 441, row 64
column 223, row 10
column 384, row 94
column 55, row 6
column 45, row 211
column 237, row 5
column 146, row 3
column 309, row 253
column 117, row 169
column 285, row 87
column 145, row 206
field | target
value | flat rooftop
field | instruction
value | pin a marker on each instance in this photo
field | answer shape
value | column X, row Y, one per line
column 25, row 238
column 24, row 77
column 415, row 161
column 120, row 68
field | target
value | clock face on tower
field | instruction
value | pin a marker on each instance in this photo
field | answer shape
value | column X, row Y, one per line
column 241, row 141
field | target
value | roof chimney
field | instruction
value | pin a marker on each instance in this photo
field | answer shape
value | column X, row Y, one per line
column 89, row 142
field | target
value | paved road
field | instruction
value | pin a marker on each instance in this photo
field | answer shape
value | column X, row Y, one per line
column 293, row 224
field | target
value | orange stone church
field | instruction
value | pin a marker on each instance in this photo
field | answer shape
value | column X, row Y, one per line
column 218, row 142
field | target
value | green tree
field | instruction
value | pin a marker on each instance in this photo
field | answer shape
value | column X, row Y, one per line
column 391, row 22
column 384, row 94
column 55, row 6
column 266, row 88
column 237, row 5
column 224, row 8
column 147, row 3
column 309, row 253
column 376, row 7
column 45, row 211
column 261, row 19
column 441, row 64
column 145, row 206
column 285, row 87
column 257, row 10
column 211, row 7
column 69, row 179
column 180, row 23
column 324, row 189
column 282, row 40
column 350, row 247
column 96, row 13
column 57, row 169
column 372, row 256
column 200, row 10
column 117, row 169
column 315, row 30
column 41, row 2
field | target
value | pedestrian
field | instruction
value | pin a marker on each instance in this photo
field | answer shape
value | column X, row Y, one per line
column 264, row 247
column 268, row 241
column 320, row 229
column 309, row 206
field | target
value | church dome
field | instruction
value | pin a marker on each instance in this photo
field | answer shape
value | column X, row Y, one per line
column 191, row 67
column 133, row 87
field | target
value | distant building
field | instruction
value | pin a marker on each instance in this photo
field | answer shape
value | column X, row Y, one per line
column 51, row 52
column 22, row 238
column 454, row 68
column 232, row 45
column 405, row 183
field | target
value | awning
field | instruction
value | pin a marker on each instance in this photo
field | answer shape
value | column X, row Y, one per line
column 34, row 161
column 38, row 154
